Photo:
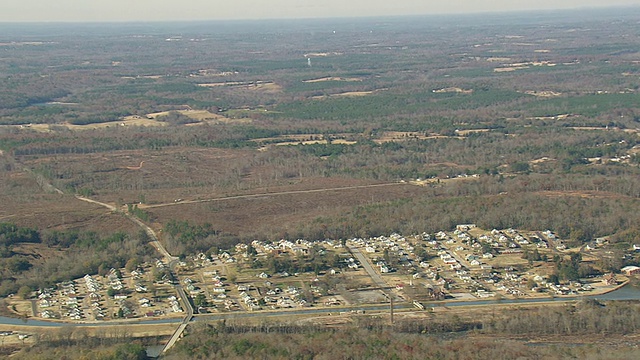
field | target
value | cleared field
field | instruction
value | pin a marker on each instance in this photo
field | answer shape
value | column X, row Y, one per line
column 390, row 136
column 283, row 212
column 26, row 204
column 164, row 176
column 332, row 78
column 347, row 94
column 304, row 139
column 201, row 116
column 266, row 86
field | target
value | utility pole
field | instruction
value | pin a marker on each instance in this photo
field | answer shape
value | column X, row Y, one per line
column 391, row 308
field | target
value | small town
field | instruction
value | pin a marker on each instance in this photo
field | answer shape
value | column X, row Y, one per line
column 467, row 264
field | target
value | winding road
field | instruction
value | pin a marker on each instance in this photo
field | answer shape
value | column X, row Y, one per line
column 171, row 260
column 155, row 242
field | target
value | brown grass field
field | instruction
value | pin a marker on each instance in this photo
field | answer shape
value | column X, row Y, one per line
column 188, row 175
column 283, row 211
column 26, row 204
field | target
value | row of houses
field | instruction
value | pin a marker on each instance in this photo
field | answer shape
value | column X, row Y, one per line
column 114, row 280
column 93, row 288
column 298, row 247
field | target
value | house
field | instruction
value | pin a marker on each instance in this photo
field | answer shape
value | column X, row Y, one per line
column 465, row 227
column 332, row 301
column 631, row 270
column 47, row 314
column 144, row 301
column 484, row 294
column 609, row 279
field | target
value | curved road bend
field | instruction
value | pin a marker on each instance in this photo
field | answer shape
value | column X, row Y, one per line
column 170, row 260
column 152, row 234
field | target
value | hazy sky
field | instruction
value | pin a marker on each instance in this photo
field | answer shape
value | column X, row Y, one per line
column 150, row 10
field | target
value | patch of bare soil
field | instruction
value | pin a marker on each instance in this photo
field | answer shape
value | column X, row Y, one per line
column 332, row 78
column 165, row 175
column 389, row 136
column 583, row 194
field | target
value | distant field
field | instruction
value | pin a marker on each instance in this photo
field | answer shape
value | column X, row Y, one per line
column 284, row 212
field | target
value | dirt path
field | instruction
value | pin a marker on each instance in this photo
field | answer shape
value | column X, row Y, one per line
column 252, row 196
column 110, row 207
column 155, row 242
column 170, row 260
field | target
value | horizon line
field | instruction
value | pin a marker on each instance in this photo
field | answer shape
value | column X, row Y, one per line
column 311, row 18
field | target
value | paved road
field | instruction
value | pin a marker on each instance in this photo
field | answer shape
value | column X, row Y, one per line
column 377, row 279
column 170, row 260
column 176, row 336
column 185, row 321
column 34, row 308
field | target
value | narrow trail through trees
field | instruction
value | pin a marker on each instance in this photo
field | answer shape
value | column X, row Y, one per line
column 251, row 196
